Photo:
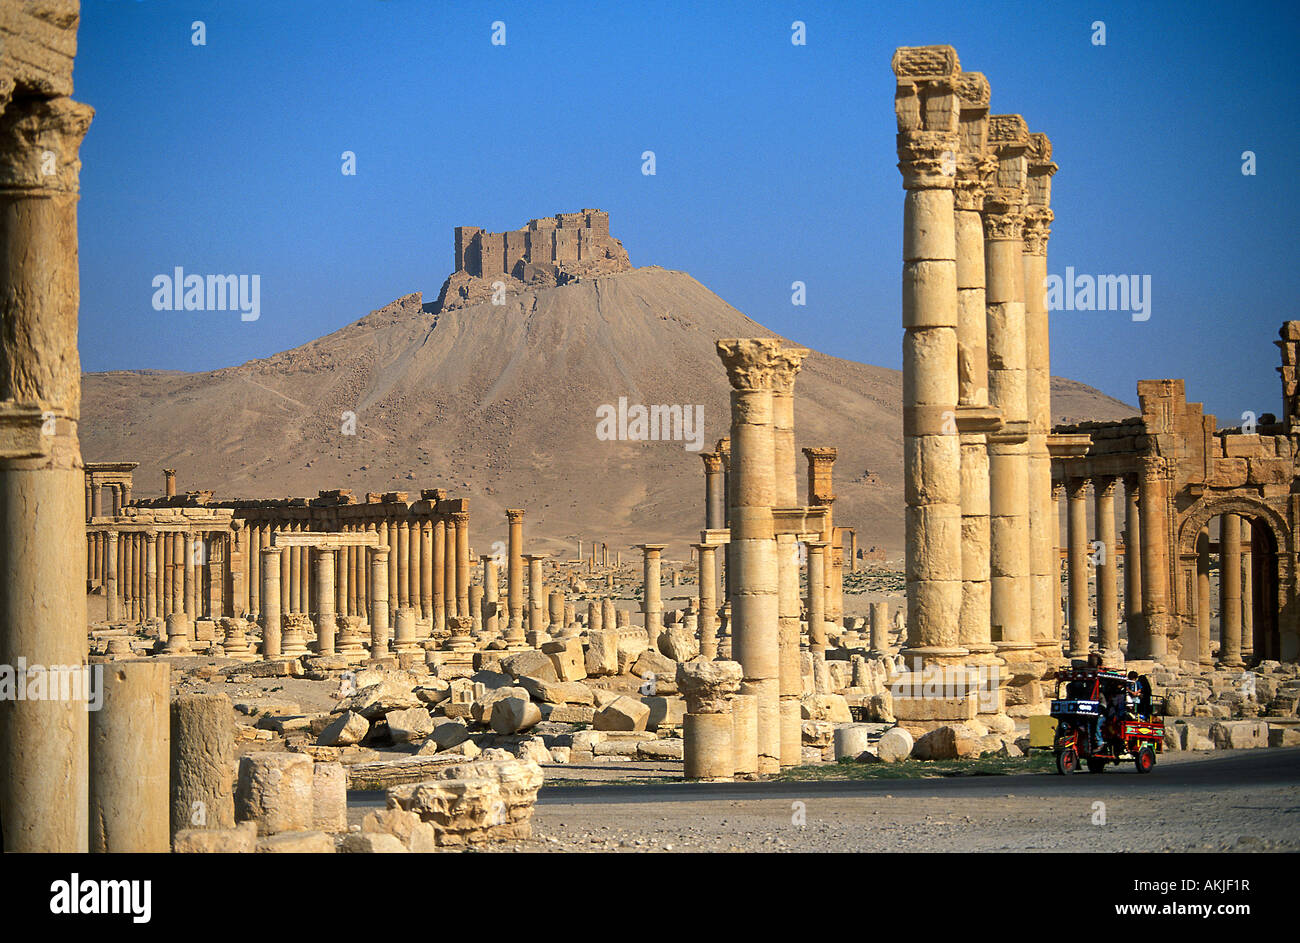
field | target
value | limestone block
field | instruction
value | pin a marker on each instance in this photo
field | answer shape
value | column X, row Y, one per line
column 561, row 754
column 568, row 713
column 708, row 685
column 448, row 733
column 852, row 741
column 828, row 707
column 372, row 843
column 297, row 843
column 533, row 664
column 482, row 708
column 949, row 742
column 1283, row 736
column 533, row 749
column 568, row 658
column 603, row 698
column 242, row 839
column 274, row 790
column 470, row 803
column 895, row 744
column 817, row 733
column 1239, row 734
column 329, row 787
column 410, row 725
column 665, row 711
column 514, row 714
column 630, row 647
column 658, row 670
column 671, row 749
column 345, row 730
column 557, row 692
column 602, row 652
column 679, row 644
column 202, row 755
column 623, row 713
column 433, row 691
column 375, row 701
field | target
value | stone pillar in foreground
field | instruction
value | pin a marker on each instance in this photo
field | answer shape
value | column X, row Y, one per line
column 202, row 761
column 379, row 602
column 707, row 749
column 130, row 747
column 817, row 596
column 270, row 602
column 927, row 108
column 515, row 578
column 1230, row 590
column 326, row 625
column 1009, row 550
column 1080, row 608
column 1038, row 372
column 1107, row 578
column 536, row 594
column 652, row 606
column 755, row 611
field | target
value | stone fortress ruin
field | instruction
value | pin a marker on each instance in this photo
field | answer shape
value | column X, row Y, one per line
column 452, row 694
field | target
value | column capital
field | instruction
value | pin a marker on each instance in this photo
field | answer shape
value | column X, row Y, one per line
column 751, row 362
column 40, row 143
column 712, row 461
column 927, row 109
column 1104, row 485
column 1005, row 201
column 651, row 550
column 460, row 517
column 1155, row 468
column 515, row 515
column 786, row 367
column 976, row 163
column 1058, row 488
column 1076, row 487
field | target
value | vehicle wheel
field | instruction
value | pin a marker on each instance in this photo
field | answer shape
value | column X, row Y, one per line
column 1145, row 760
column 1067, row 761
column 1096, row 765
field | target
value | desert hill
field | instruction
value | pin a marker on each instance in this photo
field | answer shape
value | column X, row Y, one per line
column 499, row 403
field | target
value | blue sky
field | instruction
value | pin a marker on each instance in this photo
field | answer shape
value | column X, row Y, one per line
column 775, row 163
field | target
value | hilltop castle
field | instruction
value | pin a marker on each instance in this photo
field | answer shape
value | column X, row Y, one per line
column 550, row 251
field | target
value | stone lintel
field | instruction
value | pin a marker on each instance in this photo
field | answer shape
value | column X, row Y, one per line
column 978, row 418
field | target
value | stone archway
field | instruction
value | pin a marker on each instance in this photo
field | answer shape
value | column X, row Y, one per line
column 1276, row 611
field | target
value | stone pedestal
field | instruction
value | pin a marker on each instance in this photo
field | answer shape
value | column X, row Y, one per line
column 202, row 760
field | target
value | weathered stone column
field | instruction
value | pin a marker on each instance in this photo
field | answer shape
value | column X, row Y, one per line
column 193, row 549
column 393, row 592
column 755, row 605
column 439, row 575
column 1132, row 562
column 326, row 624
column 536, row 594
column 1080, row 609
column 378, row 602
column 1004, row 206
column 403, row 561
column 1230, row 590
column 515, row 579
column 491, row 596
column 1153, row 643
column 708, row 750
column 787, row 552
column 1042, row 562
column 706, row 558
column 110, row 579
column 652, row 606
column 821, row 466
column 1103, row 488
column 151, row 575
column 1058, row 616
column 928, row 112
column 555, row 613
column 426, row 569
column 1204, row 655
column 130, row 746
column 202, row 759
column 817, row 596
column 449, row 567
column 271, row 602
column 880, row 628
column 169, row 482
column 43, row 760
column 462, row 563
column 1247, row 592
column 975, row 166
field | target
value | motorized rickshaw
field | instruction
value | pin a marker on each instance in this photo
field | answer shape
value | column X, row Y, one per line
column 1105, row 716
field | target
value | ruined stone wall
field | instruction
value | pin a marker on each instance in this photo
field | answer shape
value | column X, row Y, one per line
column 551, row 240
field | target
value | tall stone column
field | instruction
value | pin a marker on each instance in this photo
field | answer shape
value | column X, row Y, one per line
column 974, row 171
column 880, row 628
column 929, row 138
column 652, row 605
column 439, row 575
column 515, row 577
column 787, row 552
column 110, row 579
column 817, row 596
column 1230, row 590
column 715, row 496
column 1247, row 592
column 254, row 555
column 130, row 747
column 1038, row 372
column 271, row 629
column 821, row 465
column 413, row 565
column 169, row 482
column 1080, row 609
column 755, row 605
column 426, row 569
column 536, row 594
column 379, row 602
column 491, row 597
column 1153, row 643
column 706, row 557
column 462, row 563
column 394, row 593
column 449, row 567
column 1058, row 616
column 403, row 563
column 326, row 623
column 1107, row 579
column 151, row 576
column 290, row 575
column 1132, row 561
column 193, row 548
column 1203, row 597
column 1004, row 207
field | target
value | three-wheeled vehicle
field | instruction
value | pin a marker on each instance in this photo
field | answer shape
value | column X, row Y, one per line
column 1105, row 716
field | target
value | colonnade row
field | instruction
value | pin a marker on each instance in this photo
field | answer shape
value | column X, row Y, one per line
column 976, row 368
column 152, row 574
